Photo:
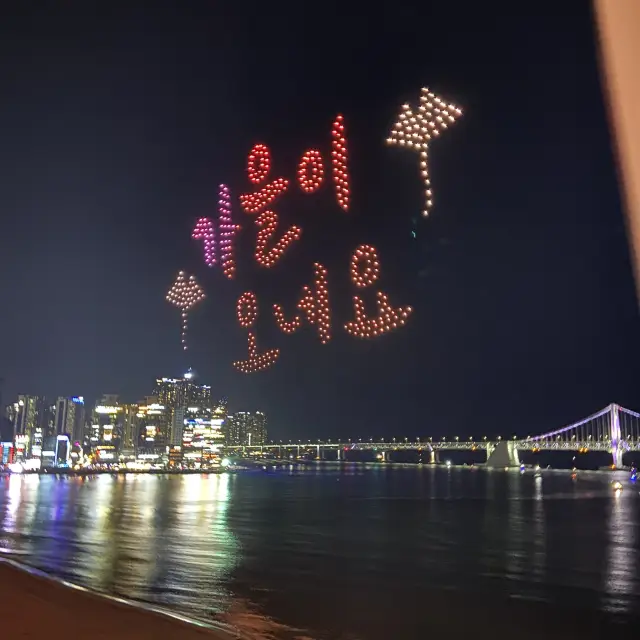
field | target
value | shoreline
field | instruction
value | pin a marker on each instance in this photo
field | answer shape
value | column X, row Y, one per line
column 253, row 465
column 25, row 590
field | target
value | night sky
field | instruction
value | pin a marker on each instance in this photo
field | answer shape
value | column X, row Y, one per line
column 119, row 122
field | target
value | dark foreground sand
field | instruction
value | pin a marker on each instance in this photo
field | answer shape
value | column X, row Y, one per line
column 38, row 607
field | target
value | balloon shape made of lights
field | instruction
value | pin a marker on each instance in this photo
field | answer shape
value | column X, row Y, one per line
column 185, row 293
column 416, row 129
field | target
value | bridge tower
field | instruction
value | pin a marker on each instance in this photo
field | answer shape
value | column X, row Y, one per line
column 504, row 454
column 616, row 446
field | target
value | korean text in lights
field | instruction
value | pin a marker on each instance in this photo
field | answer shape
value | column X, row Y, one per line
column 259, row 163
column 247, row 314
column 185, row 293
column 258, row 166
column 365, row 268
column 310, row 171
column 314, row 304
column 227, row 232
column 415, row 130
column 268, row 223
column 339, row 162
column 204, row 231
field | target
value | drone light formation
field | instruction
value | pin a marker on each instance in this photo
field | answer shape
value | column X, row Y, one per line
column 310, row 171
column 259, row 163
column 365, row 270
column 247, row 314
column 387, row 319
column 268, row 223
column 227, row 230
column 185, row 293
column 255, row 202
column 365, row 266
column 339, row 159
column 416, row 130
column 314, row 304
column 204, row 231
column 247, row 309
column 258, row 168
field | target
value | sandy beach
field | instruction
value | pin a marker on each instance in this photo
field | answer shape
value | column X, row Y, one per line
column 38, row 607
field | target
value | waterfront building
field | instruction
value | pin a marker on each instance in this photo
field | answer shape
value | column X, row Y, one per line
column 202, row 436
column 56, row 451
column 153, row 427
column 245, row 428
column 182, row 392
column 29, row 414
column 7, row 453
column 107, row 423
column 131, row 430
column 177, row 426
column 69, row 418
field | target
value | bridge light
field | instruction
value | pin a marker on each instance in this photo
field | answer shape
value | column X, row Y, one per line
column 470, row 439
column 514, row 437
column 499, row 437
column 457, row 438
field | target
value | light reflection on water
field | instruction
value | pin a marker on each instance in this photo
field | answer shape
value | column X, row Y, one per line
column 276, row 555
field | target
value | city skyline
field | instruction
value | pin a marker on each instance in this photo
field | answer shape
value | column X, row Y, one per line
column 524, row 313
column 180, row 425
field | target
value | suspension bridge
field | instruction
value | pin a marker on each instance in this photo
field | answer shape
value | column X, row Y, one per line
column 614, row 429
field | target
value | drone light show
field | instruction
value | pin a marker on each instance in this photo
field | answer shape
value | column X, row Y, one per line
column 325, row 166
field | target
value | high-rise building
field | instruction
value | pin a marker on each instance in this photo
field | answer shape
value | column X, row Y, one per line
column 245, row 428
column 153, row 425
column 29, row 425
column 69, row 418
column 107, row 423
column 182, row 392
column 202, row 435
column 177, row 426
column 131, row 431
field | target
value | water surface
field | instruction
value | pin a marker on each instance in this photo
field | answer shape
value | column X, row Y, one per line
column 332, row 552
